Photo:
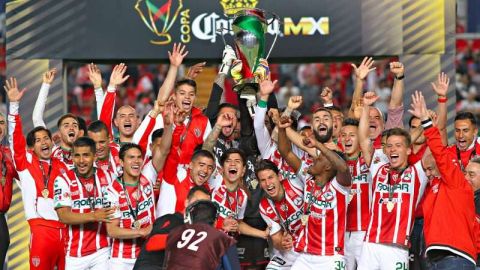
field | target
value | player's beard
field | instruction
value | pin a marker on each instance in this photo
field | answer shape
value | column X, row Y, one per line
column 323, row 138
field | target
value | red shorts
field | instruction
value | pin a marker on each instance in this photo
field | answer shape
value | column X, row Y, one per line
column 47, row 247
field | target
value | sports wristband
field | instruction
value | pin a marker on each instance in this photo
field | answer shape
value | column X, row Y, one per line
column 427, row 123
column 442, row 99
column 400, row 78
column 262, row 104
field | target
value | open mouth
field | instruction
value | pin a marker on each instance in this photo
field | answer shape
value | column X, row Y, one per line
column 127, row 126
column 45, row 150
column 232, row 173
column 271, row 189
column 462, row 143
column 394, row 158
column 71, row 135
column 202, row 176
column 348, row 146
column 322, row 129
column 372, row 127
column 135, row 168
column 186, row 104
column 227, row 129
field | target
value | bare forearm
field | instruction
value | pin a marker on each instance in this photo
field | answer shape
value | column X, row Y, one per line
column 246, row 229
column 357, row 95
column 297, row 139
column 335, row 159
column 68, row 217
column 122, row 233
column 168, row 84
column 212, row 138
column 396, row 99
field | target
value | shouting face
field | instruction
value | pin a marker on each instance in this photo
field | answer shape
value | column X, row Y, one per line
column 126, row 120
column 69, row 130
column 322, row 124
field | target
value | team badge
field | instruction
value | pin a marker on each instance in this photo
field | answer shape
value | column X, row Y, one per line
column 284, row 207
column 89, row 187
column 36, row 261
column 147, row 190
column 197, row 132
column 298, row 201
column 328, row 196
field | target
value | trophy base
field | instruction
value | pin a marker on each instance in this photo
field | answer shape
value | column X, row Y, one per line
column 246, row 90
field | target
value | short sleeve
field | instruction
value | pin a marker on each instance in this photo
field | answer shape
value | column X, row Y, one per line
column 378, row 160
column 274, row 226
column 302, row 173
column 61, row 193
column 112, row 200
column 149, row 172
column 241, row 210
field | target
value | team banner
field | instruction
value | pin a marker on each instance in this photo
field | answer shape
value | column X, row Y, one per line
column 146, row 29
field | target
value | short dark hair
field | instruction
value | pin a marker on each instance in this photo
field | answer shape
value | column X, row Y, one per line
column 463, row 115
column 350, row 122
column 232, row 151
column 85, row 142
column 31, row 135
column 97, row 126
column 229, row 105
column 305, row 127
column 410, row 120
column 400, row 132
column 127, row 146
column 322, row 110
column 265, row 164
column 82, row 125
column 202, row 153
column 203, row 211
column 186, row 81
column 158, row 133
column 385, row 132
column 334, row 108
column 196, row 188
column 65, row 116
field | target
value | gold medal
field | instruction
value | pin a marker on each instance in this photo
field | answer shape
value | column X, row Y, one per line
column 45, row 193
column 137, row 224
column 390, row 206
column 304, row 219
column 254, row 183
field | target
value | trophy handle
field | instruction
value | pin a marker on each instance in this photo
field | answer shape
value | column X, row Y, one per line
column 277, row 18
column 167, row 39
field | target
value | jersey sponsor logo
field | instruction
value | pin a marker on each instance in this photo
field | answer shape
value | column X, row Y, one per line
column 225, row 212
column 86, row 202
column 400, row 187
column 278, row 260
column 386, row 200
column 197, row 132
column 364, row 168
column 57, row 191
column 296, row 216
column 361, row 179
column 323, row 204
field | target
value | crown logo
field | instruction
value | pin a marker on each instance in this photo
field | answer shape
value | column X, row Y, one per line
column 230, row 7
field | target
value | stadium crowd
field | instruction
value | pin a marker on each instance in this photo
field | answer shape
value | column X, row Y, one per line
column 171, row 186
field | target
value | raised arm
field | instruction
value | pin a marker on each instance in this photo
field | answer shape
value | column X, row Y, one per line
column 151, row 123
column 327, row 97
column 264, row 140
column 396, row 99
column 285, row 146
column 363, row 127
column 95, row 77
column 343, row 173
column 293, row 104
column 219, row 84
column 223, row 120
column 116, row 78
column 15, row 133
column 361, row 73
column 176, row 59
column 441, row 88
column 38, row 110
column 451, row 173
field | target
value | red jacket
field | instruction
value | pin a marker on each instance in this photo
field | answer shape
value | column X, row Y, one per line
column 8, row 171
column 448, row 208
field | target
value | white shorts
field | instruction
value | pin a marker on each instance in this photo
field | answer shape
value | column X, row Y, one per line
column 316, row 262
column 95, row 261
column 121, row 264
column 383, row 257
column 353, row 248
column 282, row 260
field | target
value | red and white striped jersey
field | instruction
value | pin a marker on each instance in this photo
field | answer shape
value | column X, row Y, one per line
column 82, row 196
column 230, row 203
column 142, row 205
column 33, row 174
column 395, row 199
column 285, row 214
column 175, row 186
column 112, row 164
column 360, row 197
column 326, row 207
column 63, row 155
